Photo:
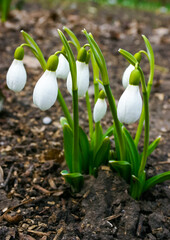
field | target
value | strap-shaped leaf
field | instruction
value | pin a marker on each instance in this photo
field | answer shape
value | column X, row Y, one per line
column 73, row 38
column 149, row 50
column 75, row 180
column 35, row 49
column 152, row 146
column 101, row 156
column 132, row 150
column 98, row 57
column 123, row 168
column 71, row 59
column 68, row 142
column 137, row 185
column 84, row 150
column 128, row 56
column 156, row 179
column 109, row 132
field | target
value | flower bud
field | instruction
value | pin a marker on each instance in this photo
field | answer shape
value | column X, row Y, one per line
column 100, row 107
column 52, row 63
column 82, row 55
column 19, row 53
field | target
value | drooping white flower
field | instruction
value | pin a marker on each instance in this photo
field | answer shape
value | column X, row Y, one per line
column 100, row 107
column 63, row 67
column 16, row 76
column 46, row 90
column 82, row 79
column 130, row 105
column 126, row 75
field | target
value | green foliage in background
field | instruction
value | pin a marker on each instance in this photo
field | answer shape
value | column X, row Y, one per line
column 4, row 9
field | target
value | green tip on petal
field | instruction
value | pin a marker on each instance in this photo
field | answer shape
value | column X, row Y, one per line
column 19, row 53
column 52, row 63
column 135, row 77
column 102, row 94
column 82, row 55
column 138, row 56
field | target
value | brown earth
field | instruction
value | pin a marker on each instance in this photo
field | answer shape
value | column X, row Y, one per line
column 40, row 205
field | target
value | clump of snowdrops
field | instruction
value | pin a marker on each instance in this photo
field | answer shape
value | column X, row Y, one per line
column 84, row 154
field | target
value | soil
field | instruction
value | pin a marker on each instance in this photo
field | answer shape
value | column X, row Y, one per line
column 35, row 203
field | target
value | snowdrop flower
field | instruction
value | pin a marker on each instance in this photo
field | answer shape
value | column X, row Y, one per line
column 16, row 76
column 100, row 107
column 63, row 68
column 82, row 74
column 128, row 70
column 130, row 104
column 46, row 89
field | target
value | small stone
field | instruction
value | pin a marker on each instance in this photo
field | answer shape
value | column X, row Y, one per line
column 47, row 120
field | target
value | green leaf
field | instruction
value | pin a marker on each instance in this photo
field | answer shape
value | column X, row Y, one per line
column 68, row 142
column 129, row 57
column 84, row 150
column 75, row 180
column 137, row 185
column 73, row 38
column 123, row 168
column 156, row 179
column 101, row 156
column 109, row 132
column 149, row 50
column 71, row 59
column 98, row 57
column 4, row 9
column 152, row 146
column 132, row 151
column 35, row 49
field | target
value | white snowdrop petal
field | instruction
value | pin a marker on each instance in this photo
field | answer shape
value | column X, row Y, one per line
column 46, row 90
column 16, row 76
column 130, row 105
column 100, row 109
column 69, row 83
column 63, row 67
column 126, row 75
column 82, row 79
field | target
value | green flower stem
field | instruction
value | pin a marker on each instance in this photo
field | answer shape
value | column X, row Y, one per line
column 89, row 115
column 149, row 86
column 146, row 116
column 65, row 108
column 75, row 163
column 113, row 109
